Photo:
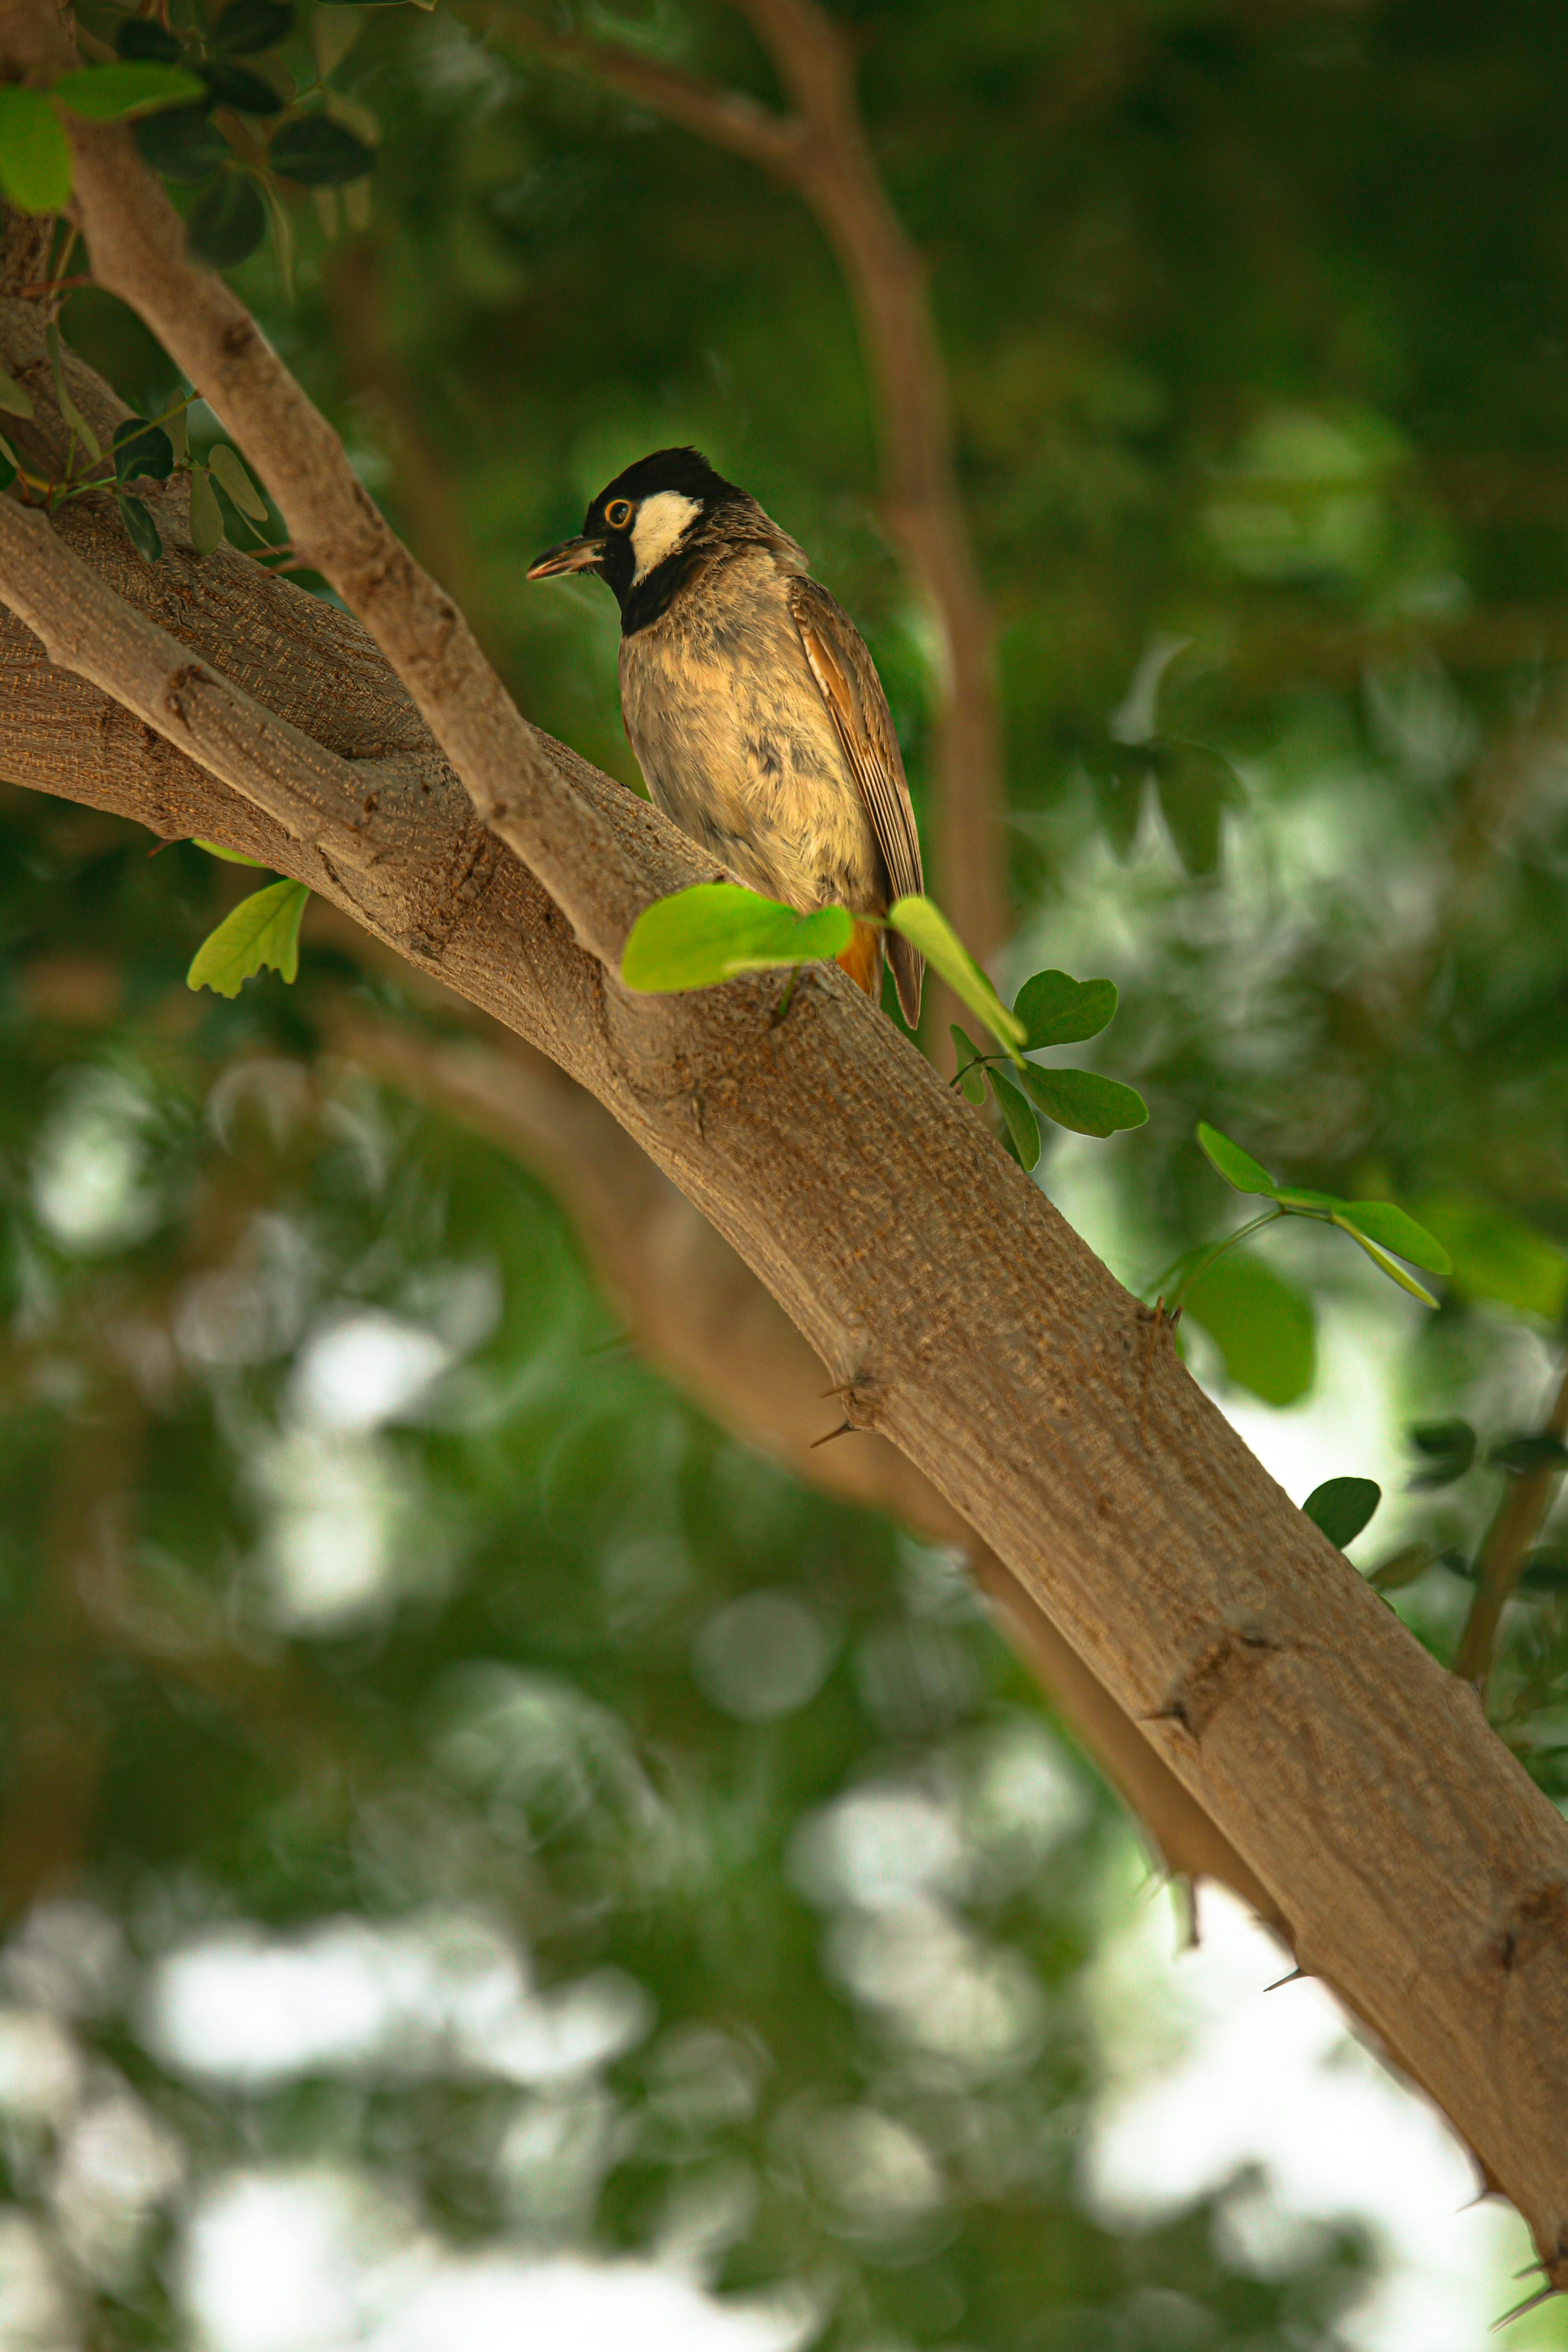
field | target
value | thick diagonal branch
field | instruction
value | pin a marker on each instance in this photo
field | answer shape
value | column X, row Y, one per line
column 821, row 152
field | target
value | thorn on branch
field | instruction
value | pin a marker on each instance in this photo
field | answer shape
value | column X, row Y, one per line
column 843, row 1430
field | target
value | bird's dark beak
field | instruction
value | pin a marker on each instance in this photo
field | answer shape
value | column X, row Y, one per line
column 571, row 555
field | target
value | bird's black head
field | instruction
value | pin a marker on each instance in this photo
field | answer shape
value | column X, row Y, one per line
column 644, row 530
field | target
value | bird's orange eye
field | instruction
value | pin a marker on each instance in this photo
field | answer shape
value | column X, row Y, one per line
column 618, row 513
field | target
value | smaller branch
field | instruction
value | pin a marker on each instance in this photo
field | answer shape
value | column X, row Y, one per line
column 86, row 629
column 1519, row 1519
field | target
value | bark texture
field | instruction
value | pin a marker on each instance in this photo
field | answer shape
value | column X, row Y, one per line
column 1413, row 1862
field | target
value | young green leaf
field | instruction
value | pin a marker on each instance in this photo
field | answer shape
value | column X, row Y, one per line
column 228, row 221
column 1386, row 1264
column 1264, row 1329
column 1402, row 1567
column 143, row 530
column 229, row 856
column 318, row 152
column 716, row 929
column 246, row 25
column 14, row 398
column 184, row 143
column 971, row 1072
column 231, row 474
column 1342, row 1507
column 63, row 401
column 1382, row 1222
column 925, row 926
column 1056, row 1010
column 1238, row 1168
column 133, row 86
column 1083, row 1100
column 262, row 930
column 206, row 515
column 140, row 448
column 179, row 433
column 35, row 153
column 1021, row 1123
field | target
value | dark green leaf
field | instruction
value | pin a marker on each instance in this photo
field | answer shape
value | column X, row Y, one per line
column 971, row 1075
column 1119, row 791
column 922, row 922
column 241, row 87
column 1447, row 1449
column 227, row 468
column 144, row 39
column 140, row 448
column 1196, row 786
column 228, row 221
column 1545, row 1570
column 318, row 152
column 1342, row 1507
column 1237, row 1167
column 262, row 930
column 713, row 932
column 134, row 86
column 1393, row 1230
column 1056, row 1010
column 7, row 472
column 206, row 515
column 183, row 144
column 246, row 25
column 1264, row 1329
column 1083, row 1100
column 143, row 530
column 35, row 153
column 1534, row 1451
column 1022, row 1128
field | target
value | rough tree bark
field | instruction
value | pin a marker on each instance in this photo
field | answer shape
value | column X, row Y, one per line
column 1412, row 1859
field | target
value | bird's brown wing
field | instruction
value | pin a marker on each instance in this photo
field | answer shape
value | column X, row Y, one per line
column 846, row 677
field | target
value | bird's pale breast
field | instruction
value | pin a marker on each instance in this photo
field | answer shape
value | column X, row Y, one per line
column 737, row 745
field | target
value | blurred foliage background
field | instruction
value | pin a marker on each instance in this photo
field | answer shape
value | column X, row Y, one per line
column 447, row 1783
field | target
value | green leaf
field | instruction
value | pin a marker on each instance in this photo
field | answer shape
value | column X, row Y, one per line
column 1310, row 1203
column 226, row 465
column 318, row 152
column 262, row 930
column 1447, row 1449
column 1056, row 1010
column 970, row 1071
column 1083, row 1100
column 1118, row 791
column 246, row 25
column 140, row 448
column 1497, row 1256
column 228, row 221
column 241, row 87
column 7, row 472
column 134, row 86
column 1237, row 1167
column 1022, row 1128
column 925, row 926
column 1386, row 1264
column 35, row 153
column 1342, row 1507
column 14, row 398
column 185, row 143
column 1390, row 1226
column 716, row 929
column 143, row 530
column 1196, row 786
column 229, row 856
column 206, row 515
column 1402, row 1567
column 1532, row 1452
column 1545, row 1570
column 1264, row 1329
column 143, row 37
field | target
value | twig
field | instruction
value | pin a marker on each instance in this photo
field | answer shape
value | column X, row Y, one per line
column 1518, row 1520
column 821, row 151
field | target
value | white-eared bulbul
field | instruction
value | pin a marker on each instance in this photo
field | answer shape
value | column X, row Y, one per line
column 751, row 703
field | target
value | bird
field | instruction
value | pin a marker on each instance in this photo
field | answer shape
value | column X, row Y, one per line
column 753, row 703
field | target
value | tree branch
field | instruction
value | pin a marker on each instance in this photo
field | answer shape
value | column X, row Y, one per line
column 821, row 152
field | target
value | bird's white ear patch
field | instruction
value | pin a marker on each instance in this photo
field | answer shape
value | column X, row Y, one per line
column 662, row 523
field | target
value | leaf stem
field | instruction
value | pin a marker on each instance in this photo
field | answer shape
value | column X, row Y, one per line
column 1518, row 1520
column 1210, row 1257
